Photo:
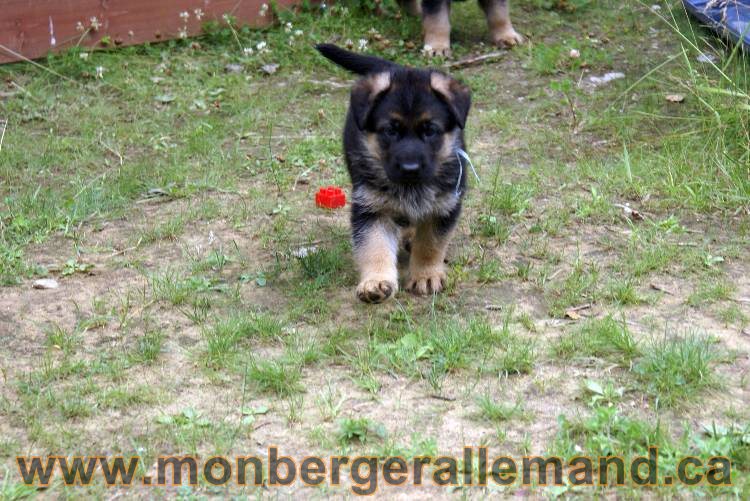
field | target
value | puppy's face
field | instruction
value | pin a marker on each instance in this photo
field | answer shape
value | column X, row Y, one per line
column 411, row 120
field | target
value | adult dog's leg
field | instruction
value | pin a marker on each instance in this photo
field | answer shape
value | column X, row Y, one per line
column 375, row 242
column 413, row 7
column 437, row 26
column 498, row 21
column 428, row 248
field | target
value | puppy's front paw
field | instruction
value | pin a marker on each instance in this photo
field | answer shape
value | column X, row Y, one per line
column 429, row 280
column 507, row 37
column 376, row 290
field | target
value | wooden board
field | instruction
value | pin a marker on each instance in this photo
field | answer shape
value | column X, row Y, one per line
column 32, row 28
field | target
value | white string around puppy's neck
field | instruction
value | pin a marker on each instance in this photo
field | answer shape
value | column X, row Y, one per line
column 462, row 154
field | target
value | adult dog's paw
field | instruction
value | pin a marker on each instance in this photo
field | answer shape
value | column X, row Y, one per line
column 437, row 50
column 425, row 281
column 507, row 38
column 376, row 290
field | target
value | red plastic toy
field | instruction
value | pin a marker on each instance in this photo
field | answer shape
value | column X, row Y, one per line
column 330, row 197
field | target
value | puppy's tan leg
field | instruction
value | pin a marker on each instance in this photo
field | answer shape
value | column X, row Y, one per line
column 427, row 260
column 375, row 251
column 498, row 21
column 437, row 27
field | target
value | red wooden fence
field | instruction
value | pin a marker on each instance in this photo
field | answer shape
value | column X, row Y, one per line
column 32, row 28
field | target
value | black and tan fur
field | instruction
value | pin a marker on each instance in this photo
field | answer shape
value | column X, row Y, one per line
column 437, row 26
column 402, row 131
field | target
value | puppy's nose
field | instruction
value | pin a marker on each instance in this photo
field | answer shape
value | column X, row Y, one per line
column 410, row 167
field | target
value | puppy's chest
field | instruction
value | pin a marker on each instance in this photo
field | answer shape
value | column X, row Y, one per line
column 406, row 206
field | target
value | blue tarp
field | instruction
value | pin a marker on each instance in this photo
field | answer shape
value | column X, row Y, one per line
column 730, row 18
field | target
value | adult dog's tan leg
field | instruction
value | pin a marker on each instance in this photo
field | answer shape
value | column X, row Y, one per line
column 427, row 260
column 375, row 251
column 498, row 21
column 437, row 27
column 413, row 7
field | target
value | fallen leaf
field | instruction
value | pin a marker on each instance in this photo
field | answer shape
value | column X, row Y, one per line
column 269, row 69
column 629, row 212
column 45, row 283
column 572, row 313
column 165, row 98
column 675, row 98
column 233, row 68
column 660, row 288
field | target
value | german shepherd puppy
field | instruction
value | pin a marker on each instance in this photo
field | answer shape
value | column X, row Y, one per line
column 437, row 24
column 402, row 140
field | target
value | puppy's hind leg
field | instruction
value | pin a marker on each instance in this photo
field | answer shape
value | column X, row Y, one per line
column 375, row 242
column 498, row 21
column 436, row 22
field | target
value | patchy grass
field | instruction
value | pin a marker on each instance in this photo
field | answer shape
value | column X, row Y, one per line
column 676, row 370
column 497, row 412
column 604, row 338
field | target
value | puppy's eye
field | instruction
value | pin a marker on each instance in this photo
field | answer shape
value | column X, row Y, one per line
column 392, row 130
column 430, row 130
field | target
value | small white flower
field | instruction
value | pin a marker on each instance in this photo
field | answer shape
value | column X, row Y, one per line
column 298, row 33
column 427, row 49
column 362, row 44
column 185, row 15
column 248, row 51
column 83, row 55
column 198, row 14
column 261, row 46
column 95, row 24
column 100, row 72
column 79, row 27
column 182, row 33
column 288, row 27
column 263, row 10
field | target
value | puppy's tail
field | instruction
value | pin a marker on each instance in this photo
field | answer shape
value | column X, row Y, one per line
column 356, row 63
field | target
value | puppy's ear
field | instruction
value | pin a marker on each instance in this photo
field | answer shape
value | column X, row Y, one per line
column 455, row 95
column 366, row 93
